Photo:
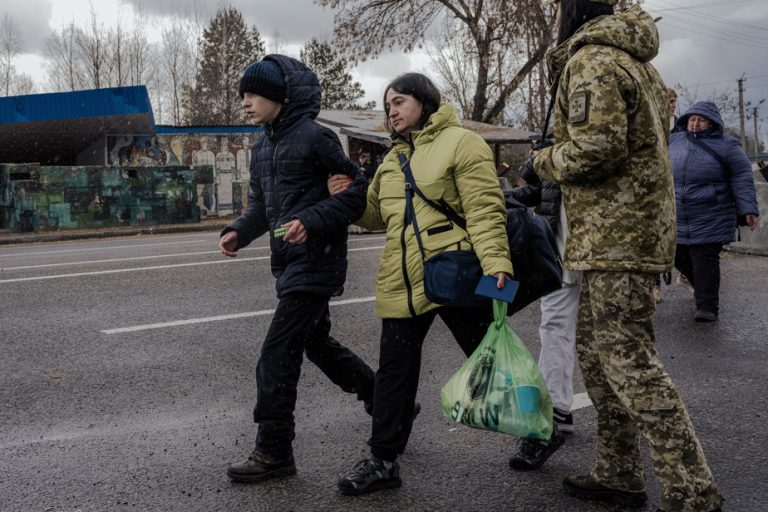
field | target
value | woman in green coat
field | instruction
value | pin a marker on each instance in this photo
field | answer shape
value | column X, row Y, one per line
column 451, row 164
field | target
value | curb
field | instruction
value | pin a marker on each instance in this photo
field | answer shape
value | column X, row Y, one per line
column 62, row 236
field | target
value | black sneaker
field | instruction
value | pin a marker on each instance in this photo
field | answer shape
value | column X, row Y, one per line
column 370, row 475
column 368, row 405
column 535, row 452
column 585, row 487
column 703, row 315
column 564, row 421
column 261, row 466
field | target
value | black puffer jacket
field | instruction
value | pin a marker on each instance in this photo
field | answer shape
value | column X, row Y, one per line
column 544, row 194
column 290, row 166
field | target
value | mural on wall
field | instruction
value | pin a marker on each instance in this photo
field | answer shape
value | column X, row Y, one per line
column 137, row 150
column 228, row 155
column 38, row 198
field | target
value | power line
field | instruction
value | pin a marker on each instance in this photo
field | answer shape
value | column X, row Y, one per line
column 703, row 6
column 708, row 26
column 730, row 80
column 709, row 16
column 706, row 34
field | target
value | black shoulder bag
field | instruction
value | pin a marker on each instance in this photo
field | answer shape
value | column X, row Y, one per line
column 741, row 220
column 450, row 277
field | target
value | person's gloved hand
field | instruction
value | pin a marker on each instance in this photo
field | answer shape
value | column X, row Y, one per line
column 528, row 173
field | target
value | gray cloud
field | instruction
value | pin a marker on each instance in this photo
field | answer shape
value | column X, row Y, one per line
column 296, row 21
column 708, row 49
column 31, row 18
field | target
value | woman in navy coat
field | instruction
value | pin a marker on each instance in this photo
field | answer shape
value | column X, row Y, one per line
column 711, row 192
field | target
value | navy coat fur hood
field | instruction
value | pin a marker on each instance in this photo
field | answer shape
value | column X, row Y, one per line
column 708, row 197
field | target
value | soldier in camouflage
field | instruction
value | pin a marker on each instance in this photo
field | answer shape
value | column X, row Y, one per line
column 611, row 160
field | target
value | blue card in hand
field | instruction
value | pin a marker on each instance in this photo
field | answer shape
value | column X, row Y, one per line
column 487, row 288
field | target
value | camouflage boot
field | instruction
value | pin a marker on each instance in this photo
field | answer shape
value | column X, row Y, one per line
column 587, row 488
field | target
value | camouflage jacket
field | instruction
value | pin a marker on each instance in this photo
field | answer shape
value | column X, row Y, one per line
column 612, row 159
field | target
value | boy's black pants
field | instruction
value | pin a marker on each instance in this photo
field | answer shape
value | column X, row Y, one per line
column 301, row 324
column 397, row 378
column 701, row 265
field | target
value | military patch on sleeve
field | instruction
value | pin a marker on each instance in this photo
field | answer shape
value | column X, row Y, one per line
column 578, row 107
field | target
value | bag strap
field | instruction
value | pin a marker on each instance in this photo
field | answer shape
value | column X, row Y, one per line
column 703, row 145
column 410, row 213
column 442, row 206
column 547, row 118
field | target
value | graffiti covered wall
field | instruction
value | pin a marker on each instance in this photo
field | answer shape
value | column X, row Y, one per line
column 36, row 198
column 228, row 155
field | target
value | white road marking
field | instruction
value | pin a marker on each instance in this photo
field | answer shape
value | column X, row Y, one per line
column 112, row 260
column 366, row 248
column 135, row 269
column 86, row 249
column 156, row 267
column 220, row 318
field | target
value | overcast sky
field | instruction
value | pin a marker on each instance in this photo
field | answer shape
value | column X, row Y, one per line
column 706, row 44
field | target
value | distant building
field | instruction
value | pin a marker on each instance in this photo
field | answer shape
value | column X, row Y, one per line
column 363, row 131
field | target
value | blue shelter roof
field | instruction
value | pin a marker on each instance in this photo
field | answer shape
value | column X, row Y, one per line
column 54, row 128
column 114, row 101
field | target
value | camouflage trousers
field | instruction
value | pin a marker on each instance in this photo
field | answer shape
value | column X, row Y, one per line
column 634, row 395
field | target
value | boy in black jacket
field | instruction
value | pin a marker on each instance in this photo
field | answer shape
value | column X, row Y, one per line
column 289, row 169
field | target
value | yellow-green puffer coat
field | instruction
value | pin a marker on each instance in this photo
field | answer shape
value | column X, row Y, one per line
column 450, row 163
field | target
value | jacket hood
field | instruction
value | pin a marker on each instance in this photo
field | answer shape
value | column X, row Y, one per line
column 302, row 91
column 632, row 31
column 706, row 109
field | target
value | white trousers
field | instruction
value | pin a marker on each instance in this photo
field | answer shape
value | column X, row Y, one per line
column 558, row 343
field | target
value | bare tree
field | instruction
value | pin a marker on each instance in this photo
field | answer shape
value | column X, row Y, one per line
column 276, row 43
column 140, row 52
column 452, row 61
column 364, row 29
column 92, row 43
column 21, row 84
column 116, row 48
column 10, row 46
column 178, row 64
column 63, row 64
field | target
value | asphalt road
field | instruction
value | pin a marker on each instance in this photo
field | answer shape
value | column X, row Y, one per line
column 127, row 384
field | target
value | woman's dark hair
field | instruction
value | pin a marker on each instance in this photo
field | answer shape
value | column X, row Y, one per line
column 421, row 88
column 575, row 13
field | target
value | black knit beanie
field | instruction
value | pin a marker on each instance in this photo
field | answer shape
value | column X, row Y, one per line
column 265, row 79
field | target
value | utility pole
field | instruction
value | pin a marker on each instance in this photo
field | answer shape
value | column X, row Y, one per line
column 754, row 118
column 741, row 111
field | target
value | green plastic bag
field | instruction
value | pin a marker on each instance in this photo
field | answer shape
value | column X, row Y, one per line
column 500, row 387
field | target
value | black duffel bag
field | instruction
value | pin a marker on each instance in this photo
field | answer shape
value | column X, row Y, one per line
column 534, row 255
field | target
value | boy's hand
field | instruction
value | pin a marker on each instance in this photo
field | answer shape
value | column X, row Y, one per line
column 228, row 244
column 338, row 183
column 296, row 233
